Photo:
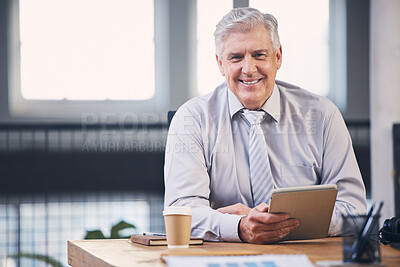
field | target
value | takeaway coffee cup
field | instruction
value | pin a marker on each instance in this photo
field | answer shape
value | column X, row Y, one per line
column 178, row 221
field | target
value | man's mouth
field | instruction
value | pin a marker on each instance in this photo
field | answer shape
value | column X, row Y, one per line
column 250, row 82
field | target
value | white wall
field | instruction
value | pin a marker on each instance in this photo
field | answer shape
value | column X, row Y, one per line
column 384, row 97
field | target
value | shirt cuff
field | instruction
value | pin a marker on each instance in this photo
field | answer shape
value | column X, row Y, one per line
column 229, row 227
column 335, row 228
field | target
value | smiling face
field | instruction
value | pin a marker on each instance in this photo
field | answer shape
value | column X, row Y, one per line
column 249, row 64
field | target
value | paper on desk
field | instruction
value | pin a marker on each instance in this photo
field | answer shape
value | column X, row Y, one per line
column 238, row 261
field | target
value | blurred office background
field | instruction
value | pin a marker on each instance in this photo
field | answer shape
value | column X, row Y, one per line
column 85, row 87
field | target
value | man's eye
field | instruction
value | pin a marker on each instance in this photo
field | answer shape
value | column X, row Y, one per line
column 260, row 56
column 236, row 58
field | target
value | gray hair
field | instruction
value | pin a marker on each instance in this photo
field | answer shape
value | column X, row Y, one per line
column 242, row 20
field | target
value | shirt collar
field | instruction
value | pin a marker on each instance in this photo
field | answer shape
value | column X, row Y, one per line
column 234, row 103
column 272, row 106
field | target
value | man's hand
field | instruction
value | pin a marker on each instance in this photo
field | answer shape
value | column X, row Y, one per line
column 261, row 227
column 238, row 209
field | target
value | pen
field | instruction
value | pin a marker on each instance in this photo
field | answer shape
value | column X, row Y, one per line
column 359, row 244
column 154, row 234
column 360, row 231
column 366, row 221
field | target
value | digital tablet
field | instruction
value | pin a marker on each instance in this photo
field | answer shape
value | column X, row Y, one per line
column 311, row 205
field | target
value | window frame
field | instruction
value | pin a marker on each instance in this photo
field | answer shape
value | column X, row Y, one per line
column 175, row 71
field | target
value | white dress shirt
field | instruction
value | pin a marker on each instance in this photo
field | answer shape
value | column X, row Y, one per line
column 207, row 162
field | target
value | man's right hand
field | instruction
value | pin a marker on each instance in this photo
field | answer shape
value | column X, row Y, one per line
column 261, row 227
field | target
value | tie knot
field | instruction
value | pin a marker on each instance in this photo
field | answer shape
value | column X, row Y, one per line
column 253, row 116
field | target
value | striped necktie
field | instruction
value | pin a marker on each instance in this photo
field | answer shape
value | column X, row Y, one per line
column 260, row 169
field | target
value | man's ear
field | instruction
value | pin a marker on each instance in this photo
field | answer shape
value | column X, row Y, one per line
column 279, row 57
column 219, row 62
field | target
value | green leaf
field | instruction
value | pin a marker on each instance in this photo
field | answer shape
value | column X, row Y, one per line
column 120, row 226
column 49, row 260
column 96, row 234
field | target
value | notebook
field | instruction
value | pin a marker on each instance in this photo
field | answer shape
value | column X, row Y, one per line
column 153, row 240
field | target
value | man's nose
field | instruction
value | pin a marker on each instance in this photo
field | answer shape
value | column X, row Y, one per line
column 249, row 66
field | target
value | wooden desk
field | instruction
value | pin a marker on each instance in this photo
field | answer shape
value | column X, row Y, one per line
column 120, row 252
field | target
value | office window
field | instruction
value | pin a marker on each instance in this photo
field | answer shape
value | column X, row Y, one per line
column 69, row 57
column 303, row 27
column 87, row 50
column 209, row 13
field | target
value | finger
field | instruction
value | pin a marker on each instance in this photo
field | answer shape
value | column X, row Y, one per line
column 276, row 235
column 237, row 208
column 283, row 224
column 265, row 237
column 276, row 229
column 262, row 207
column 288, row 224
column 221, row 209
column 282, row 232
column 225, row 209
column 268, row 218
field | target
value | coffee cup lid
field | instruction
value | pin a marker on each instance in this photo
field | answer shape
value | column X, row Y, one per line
column 178, row 210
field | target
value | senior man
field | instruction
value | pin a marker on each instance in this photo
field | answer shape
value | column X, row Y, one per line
column 228, row 149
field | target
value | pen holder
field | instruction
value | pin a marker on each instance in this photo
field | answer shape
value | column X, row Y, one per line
column 352, row 228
